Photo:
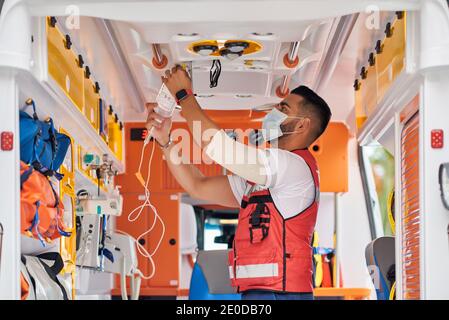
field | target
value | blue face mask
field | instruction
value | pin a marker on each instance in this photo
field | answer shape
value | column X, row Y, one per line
column 271, row 124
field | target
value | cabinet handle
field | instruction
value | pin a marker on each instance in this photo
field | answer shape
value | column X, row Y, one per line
column 68, row 42
column 87, row 72
column 80, row 61
column 52, row 22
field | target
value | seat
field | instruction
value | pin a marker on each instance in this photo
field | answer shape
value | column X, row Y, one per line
column 380, row 259
column 210, row 277
column 188, row 243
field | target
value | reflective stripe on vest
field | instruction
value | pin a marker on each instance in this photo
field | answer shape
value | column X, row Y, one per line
column 255, row 271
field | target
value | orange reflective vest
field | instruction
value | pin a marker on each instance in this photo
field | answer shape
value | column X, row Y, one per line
column 270, row 252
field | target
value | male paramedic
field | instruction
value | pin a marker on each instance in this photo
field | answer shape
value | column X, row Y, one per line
column 276, row 189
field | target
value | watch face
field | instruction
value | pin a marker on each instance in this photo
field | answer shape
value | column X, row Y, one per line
column 443, row 177
column 181, row 94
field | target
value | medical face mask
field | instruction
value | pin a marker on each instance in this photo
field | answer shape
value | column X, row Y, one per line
column 271, row 124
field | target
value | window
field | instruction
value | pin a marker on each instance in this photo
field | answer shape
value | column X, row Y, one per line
column 212, row 232
column 216, row 227
column 377, row 166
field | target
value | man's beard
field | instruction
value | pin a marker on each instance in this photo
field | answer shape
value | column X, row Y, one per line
column 287, row 128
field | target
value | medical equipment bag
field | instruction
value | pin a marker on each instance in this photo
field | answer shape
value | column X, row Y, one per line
column 40, row 207
column 41, row 145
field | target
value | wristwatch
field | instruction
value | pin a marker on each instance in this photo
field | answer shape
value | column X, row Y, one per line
column 168, row 144
column 182, row 94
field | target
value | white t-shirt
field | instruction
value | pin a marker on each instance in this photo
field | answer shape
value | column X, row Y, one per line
column 290, row 182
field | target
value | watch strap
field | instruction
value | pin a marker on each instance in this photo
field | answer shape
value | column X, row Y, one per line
column 188, row 93
column 168, row 144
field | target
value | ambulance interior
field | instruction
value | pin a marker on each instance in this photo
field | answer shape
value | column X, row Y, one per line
column 382, row 227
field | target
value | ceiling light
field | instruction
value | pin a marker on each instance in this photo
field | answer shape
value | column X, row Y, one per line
column 262, row 36
column 201, row 68
column 236, row 46
column 205, row 49
column 230, row 55
column 187, row 35
column 264, row 107
column 256, row 64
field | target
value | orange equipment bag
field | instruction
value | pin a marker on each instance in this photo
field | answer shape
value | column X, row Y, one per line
column 41, row 210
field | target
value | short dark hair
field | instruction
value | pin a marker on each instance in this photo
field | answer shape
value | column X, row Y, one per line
column 316, row 106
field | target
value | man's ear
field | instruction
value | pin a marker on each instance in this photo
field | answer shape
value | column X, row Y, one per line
column 303, row 125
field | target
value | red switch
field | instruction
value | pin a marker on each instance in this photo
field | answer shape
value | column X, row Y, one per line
column 436, row 137
column 7, row 141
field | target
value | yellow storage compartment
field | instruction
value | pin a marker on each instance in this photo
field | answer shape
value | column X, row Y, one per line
column 80, row 154
column 91, row 102
column 391, row 54
column 104, row 131
column 67, row 167
column 68, row 244
column 111, row 124
column 85, row 159
column 119, row 141
column 67, row 196
column 115, row 129
column 370, row 87
column 360, row 113
column 63, row 64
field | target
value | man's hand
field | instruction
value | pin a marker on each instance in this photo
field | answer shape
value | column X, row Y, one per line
column 177, row 79
column 161, row 126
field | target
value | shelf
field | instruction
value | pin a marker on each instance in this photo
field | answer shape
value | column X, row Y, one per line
column 86, row 183
column 92, row 282
column 52, row 102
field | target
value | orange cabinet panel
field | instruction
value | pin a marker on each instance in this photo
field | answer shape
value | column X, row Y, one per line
column 163, row 238
column 331, row 153
column 128, row 180
column 136, row 228
column 167, row 256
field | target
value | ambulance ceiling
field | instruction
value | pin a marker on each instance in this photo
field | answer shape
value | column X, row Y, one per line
column 328, row 58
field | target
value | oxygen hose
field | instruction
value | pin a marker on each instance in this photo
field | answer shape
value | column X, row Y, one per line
column 137, row 275
column 123, row 280
column 134, row 282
